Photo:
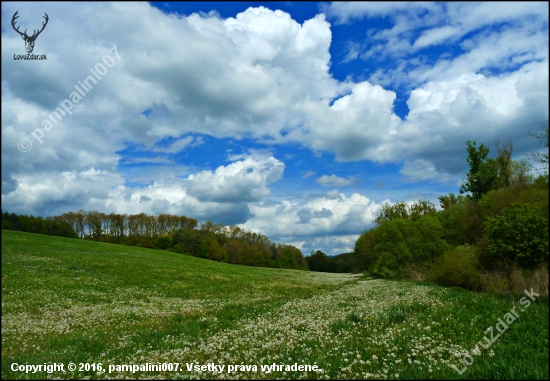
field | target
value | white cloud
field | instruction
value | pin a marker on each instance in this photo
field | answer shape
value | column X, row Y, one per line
column 333, row 194
column 435, row 36
column 498, row 35
column 335, row 181
column 177, row 146
column 333, row 245
column 151, row 160
column 307, row 174
column 354, row 126
column 221, row 195
column 444, row 114
column 333, row 218
column 265, row 77
column 420, row 169
column 501, row 50
column 245, row 181
column 345, row 12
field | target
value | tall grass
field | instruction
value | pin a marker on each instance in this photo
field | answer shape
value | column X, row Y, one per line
column 516, row 281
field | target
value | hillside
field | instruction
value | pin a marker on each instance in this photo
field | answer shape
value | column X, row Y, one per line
column 74, row 301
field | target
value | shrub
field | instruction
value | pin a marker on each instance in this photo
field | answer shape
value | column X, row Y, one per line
column 209, row 248
column 163, row 243
column 148, row 243
column 180, row 248
column 519, row 235
column 456, row 268
column 6, row 225
column 186, row 239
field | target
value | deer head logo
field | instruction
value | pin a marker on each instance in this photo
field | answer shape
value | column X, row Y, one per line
column 29, row 40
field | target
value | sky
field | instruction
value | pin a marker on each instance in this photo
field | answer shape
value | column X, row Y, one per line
column 294, row 120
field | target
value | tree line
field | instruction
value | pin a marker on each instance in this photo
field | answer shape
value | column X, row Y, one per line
column 496, row 227
column 179, row 234
column 341, row 263
column 39, row 225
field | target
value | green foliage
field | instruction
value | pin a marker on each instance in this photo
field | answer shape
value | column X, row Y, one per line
column 541, row 182
column 483, row 171
column 209, row 248
column 251, row 256
column 363, row 251
column 290, row 257
column 462, row 223
column 390, row 263
column 402, row 210
column 60, row 229
column 33, row 224
column 163, row 243
column 519, row 235
column 342, row 263
column 185, row 240
column 541, row 157
column 499, row 227
column 180, row 248
column 39, row 225
column 148, row 243
column 318, row 261
column 520, row 177
column 13, row 220
column 389, row 249
column 6, row 225
column 234, row 252
column 446, row 202
column 428, row 241
column 456, row 268
column 495, row 201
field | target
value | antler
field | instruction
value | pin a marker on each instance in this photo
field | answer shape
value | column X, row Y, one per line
column 35, row 34
column 13, row 25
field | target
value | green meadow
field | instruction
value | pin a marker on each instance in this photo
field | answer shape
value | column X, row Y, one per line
column 74, row 301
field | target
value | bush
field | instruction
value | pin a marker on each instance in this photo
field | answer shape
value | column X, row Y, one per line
column 6, row 225
column 163, row 243
column 148, row 243
column 456, row 268
column 318, row 261
column 186, row 240
column 519, row 235
column 180, row 248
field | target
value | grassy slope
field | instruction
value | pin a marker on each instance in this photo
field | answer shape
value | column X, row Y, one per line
column 77, row 301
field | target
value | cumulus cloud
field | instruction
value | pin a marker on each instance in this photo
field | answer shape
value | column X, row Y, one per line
column 221, row 195
column 245, row 181
column 354, row 127
column 288, row 221
column 233, row 77
column 262, row 76
column 444, row 114
column 420, row 169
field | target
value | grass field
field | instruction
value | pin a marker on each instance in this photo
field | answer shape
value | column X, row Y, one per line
column 72, row 301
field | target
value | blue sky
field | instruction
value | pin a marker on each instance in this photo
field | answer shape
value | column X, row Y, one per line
column 296, row 120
